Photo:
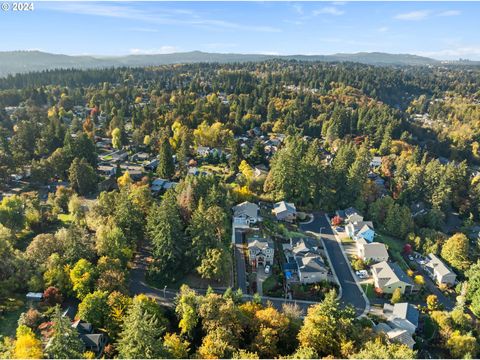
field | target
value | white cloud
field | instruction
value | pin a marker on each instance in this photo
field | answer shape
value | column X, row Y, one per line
column 163, row 17
column 424, row 14
column 329, row 10
column 382, row 29
column 146, row 30
column 298, row 8
column 450, row 13
column 339, row 3
column 167, row 49
column 413, row 15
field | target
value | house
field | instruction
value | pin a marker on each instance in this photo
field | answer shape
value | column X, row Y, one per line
column 395, row 335
column 352, row 215
column 34, row 296
column 440, row 272
column 203, row 151
column 246, row 212
column 304, row 261
column 389, row 276
column 311, row 268
column 418, row 209
column 161, row 184
column 119, row 156
column 376, row 162
column 284, row 211
column 260, row 170
column 94, row 342
column 402, row 316
column 106, row 169
column 152, row 165
column 361, row 230
column 260, row 251
column 373, row 252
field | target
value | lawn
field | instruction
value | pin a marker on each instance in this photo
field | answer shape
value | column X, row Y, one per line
column 395, row 248
column 65, row 218
column 272, row 287
column 9, row 319
column 429, row 328
column 368, row 290
column 346, row 240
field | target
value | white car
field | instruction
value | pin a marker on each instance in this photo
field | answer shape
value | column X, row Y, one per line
column 267, row 269
column 362, row 274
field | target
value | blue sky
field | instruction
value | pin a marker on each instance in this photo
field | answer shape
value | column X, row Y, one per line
column 443, row 30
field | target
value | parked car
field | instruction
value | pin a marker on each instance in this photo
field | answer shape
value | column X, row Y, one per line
column 267, row 269
column 410, row 257
column 362, row 274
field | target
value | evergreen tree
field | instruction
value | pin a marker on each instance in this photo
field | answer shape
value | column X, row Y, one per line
column 65, row 341
column 166, row 167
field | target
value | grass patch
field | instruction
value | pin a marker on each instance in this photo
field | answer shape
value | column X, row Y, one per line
column 368, row 290
column 346, row 240
column 271, row 286
column 395, row 248
column 429, row 328
column 65, row 218
column 9, row 316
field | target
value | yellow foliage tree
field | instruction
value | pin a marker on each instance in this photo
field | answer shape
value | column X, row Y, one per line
column 27, row 346
column 124, row 180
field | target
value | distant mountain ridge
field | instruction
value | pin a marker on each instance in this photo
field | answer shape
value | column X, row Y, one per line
column 12, row 62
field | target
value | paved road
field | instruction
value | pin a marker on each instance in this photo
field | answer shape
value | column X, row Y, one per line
column 138, row 285
column 351, row 293
column 240, row 270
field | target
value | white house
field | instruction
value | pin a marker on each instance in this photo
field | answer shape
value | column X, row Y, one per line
column 374, row 252
column 402, row 316
column 311, row 268
column 260, row 251
column 285, row 211
column 389, row 276
column 246, row 212
column 203, row 150
column 396, row 335
column 352, row 215
column 440, row 272
column 360, row 229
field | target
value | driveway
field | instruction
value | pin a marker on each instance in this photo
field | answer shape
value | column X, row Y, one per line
column 240, row 269
column 351, row 293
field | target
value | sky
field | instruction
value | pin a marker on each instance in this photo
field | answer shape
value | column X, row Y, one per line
column 442, row 30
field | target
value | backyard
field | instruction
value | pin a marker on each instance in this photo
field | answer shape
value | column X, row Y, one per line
column 395, row 248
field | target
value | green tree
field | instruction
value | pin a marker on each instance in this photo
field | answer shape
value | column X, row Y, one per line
column 215, row 264
column 462, row 345
column 326, row 326
column 82, row 277
column 142, row 333
column 166, row 167
column 456, row 251
column 165, row 232
column 82, row 176
column 65, row 341
column 94, row 309
column 187, row 310
column 380, row 349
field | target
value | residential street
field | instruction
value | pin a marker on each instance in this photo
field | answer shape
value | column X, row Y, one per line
column 166, row 297
column 351, row 293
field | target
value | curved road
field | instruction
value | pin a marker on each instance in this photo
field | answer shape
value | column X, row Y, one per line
column 351, row 293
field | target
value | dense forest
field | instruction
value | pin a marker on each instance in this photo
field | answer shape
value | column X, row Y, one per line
column 304, row 132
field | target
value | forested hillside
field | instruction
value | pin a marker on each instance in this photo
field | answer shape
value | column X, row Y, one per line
column 100, row 167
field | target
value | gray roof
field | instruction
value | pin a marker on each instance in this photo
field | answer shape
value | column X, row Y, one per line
column 391, row 271
column 406, row 311
column 351, row 211
column 282, row 206
column 375, row 250
column 310, row 263
column 437, row 264
column 246, row 209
